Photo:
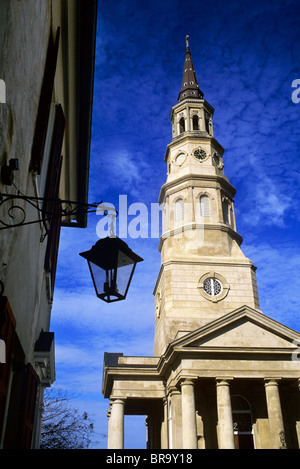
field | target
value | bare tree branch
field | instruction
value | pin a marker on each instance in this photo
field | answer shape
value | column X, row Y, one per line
column 64, row 427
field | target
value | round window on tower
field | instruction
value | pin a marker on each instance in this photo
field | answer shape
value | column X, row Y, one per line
column 213, row 287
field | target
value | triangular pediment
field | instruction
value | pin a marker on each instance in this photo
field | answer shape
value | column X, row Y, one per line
column 243, row 328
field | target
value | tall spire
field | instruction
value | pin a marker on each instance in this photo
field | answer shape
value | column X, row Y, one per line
column 189, row 86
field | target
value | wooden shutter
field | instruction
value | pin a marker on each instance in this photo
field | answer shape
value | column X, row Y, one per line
column 7, row 333
column 44, row 104
column 179, row 210
column 54, row 168
column 204, row 206
column 29, row 396
column 52, row 249
column 52, row 206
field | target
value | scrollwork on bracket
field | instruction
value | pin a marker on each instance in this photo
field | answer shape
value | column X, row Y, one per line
column 12, row 213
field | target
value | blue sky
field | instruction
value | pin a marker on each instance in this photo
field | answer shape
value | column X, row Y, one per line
column 246, row 56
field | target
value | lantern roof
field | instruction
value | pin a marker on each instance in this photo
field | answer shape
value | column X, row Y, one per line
column 111, row 253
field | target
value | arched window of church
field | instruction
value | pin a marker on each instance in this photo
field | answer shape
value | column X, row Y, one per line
column 242, row 423
column 195, row 122
column 204, row 206
column 182, row 125
column 179, row 210
column 225, row 207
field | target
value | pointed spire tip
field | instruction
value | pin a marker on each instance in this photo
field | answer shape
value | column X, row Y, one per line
column 189, row 87
column 187, row 41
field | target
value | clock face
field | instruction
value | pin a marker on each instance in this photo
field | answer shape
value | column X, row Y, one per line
column 180, row 159
column 200, row 154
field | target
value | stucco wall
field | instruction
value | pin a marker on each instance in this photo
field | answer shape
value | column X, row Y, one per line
column 23, row 53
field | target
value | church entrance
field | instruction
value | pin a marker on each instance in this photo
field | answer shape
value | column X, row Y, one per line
column 243, row 441
column 242, row 423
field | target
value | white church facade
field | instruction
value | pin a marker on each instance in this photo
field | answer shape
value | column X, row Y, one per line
column 223, row 374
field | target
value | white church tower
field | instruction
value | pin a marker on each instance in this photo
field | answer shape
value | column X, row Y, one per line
column 204, row 273
column 223, row 374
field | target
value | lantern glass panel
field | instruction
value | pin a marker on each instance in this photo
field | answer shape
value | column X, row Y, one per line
column 125, row 270
column 112, row 284
column 99, row 277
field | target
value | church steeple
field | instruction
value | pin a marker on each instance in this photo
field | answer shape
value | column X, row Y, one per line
column 204, row 273
column 189, row 86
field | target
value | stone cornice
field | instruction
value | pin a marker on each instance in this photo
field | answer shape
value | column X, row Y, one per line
column 188, row 180
column 195, row 102
column 259, row 357
column 207, row 226
column 194, row 134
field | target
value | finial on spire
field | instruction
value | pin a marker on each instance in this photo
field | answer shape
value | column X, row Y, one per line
column 187, row 41
column 189, row 86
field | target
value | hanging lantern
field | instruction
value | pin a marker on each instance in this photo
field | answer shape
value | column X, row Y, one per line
column 112, row 264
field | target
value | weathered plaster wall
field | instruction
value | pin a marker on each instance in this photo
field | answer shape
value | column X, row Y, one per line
column 23, row 52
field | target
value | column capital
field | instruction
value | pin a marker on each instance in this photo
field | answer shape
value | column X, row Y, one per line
column 117, row 400
column 223, row 381
column 172, row 390
column 272, row 381
column 187, row 381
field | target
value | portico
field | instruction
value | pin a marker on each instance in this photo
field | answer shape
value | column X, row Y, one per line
column 191, row 405
column 198, row 431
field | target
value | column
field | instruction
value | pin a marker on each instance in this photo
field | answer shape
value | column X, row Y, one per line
column 274, row 414
column 225, row 423
column 188, row 118
column 164, row 426
column 191, row 199
column 298, row 421
column 189, row 425
column 202, row 120
column 116, row 425
column 219, row 204
column 166, row 218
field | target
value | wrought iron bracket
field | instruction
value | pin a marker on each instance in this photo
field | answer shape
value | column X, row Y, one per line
column 13, row 210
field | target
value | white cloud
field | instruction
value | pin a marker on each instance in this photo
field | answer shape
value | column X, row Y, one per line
column 268, row 202
column 124, row 172
column 278, row 278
